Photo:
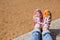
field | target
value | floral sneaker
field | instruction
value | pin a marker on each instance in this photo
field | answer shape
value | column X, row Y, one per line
column 38, row 18
column 47, row 18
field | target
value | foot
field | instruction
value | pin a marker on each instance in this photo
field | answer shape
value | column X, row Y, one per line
column 38, row 18
column 47, row 20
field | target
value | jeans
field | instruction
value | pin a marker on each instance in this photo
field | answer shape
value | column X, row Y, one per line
column 46, row 35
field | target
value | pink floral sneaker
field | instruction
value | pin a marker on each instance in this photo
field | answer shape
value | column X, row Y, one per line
column 47, row 18
column 38, row 18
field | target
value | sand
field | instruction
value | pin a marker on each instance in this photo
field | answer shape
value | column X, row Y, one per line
column 16, row 15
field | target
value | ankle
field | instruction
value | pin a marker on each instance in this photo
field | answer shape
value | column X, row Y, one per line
column 37, row 26
column 45, row 28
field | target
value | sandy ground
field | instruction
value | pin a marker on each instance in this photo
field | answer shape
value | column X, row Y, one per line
column 16, row 15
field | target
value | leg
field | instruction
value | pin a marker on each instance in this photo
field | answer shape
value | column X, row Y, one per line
column 35, row 35
column 46, row 34
column 37, row 25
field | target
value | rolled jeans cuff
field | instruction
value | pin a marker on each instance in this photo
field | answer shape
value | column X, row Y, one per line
column 46, row 32
column 36, row 30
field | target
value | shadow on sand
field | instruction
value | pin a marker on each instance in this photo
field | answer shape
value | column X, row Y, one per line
column 55, row 33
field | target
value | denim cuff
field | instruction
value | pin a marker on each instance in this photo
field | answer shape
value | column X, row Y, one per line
column 36, row 30
column 44, row 32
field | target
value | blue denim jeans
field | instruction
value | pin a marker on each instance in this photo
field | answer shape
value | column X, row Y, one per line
column 46, row 35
